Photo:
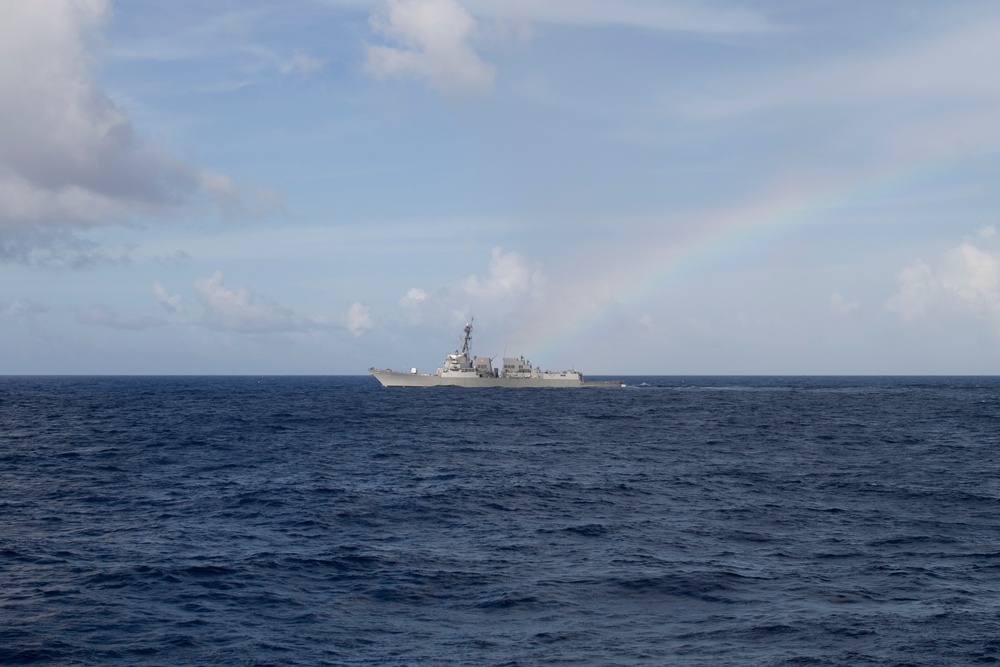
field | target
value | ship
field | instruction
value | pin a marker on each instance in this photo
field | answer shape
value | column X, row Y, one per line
column 462, row 369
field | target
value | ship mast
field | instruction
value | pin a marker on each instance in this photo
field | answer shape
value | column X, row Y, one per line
column 466, row 339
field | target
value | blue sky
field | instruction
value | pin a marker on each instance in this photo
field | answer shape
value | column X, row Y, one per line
column 639, row 186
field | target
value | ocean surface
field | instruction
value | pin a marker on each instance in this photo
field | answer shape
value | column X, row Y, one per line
column 330, row 521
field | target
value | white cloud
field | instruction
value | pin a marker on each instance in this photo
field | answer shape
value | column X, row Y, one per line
column 511, row 279
column 433, row 44
column 414, row 298
column 513, row 288
column 70, row 159
column 973, row 277
column 841, row 306
column 223, row 36
column 173, row 259
column 236, row 201
column 21, row 307
column 105, row 316
column 240, row 309
column 924, row 96
column 967, row 282
column 930, row 98
column 358, row 319
column 171, row 302
column 952, row 67
column 301, row 63
column 917, row 288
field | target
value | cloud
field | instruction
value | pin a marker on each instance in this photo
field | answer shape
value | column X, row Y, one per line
column 841, row 306
column 967, row 282
column 676, row 16
column 240, row 201
column 223, row 36
column 917, row 288
column 70, row 159
column 173, row 259
column 950, row 67
column 921, row 95
column 511, row 285
column 414, row 298
column 433, row 44
column 358, row 319
column 511, row 279
column 105, row 316
column 171, row 302
column 301, row 63
column 21, row 307
column 430, row 39
column 973, row 277
column 926, row 98
column 240, row 309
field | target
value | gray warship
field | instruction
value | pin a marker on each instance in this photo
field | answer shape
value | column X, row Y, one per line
column 461, row 369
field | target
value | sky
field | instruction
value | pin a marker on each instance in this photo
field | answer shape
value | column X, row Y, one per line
column 631, row 187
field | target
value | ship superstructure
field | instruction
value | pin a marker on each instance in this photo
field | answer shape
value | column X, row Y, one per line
column 461, row 368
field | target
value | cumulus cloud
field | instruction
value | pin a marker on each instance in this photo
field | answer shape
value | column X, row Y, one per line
column 105, row 316
column 511, row 278
column 358, row 319
column 967, row 281
column 431, row 39
column 973, row 277
column 70, row 159
column 414, row 298
column 432, row 42
column 240, row 309
column 512, row 284
column 171, row 302
column 917, row 287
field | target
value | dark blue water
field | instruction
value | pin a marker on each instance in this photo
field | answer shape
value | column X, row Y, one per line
column 309, row 521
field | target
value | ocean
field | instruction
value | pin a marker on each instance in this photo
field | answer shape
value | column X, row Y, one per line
column 331, row 521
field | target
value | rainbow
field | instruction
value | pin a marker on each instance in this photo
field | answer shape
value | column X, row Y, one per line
column 735, row 232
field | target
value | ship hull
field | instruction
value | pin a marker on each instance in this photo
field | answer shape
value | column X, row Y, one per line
column 551, row 380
